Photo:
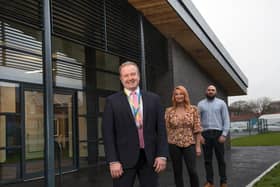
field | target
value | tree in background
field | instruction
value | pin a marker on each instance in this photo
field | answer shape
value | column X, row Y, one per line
column 239, row 107
column 259, row 106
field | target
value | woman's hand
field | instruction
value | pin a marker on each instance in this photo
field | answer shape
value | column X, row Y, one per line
column 202, row 140
column 198, row 150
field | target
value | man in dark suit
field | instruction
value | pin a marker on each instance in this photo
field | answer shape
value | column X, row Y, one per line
column 134, row 132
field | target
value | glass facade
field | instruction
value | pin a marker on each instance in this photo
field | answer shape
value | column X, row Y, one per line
column 10, row 132
column 107, row 67
column 82, row 128
column 68, row 64
column 34, row 132
column 22, row 106
column 88, row 44
column 20, row 53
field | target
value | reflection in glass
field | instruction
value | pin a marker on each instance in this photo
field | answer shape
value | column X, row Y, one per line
column 83, row 149
column 82, row 103
column 70, row 75
column 102, row 102
column 70, row 50
column 34, row 131
column 8, row 97
column 2, row 137
column 13, row 130
column 23, row 38
column 10, row 166
column 108, row 81
column 101, row 152
column 10, row 132
column 63, row 127
column 22, row 59
column 83, row 145
column 69, row 59
column 107, row 62
column 82, row 129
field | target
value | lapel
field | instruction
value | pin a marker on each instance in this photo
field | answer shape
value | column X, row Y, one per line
column 125, row 103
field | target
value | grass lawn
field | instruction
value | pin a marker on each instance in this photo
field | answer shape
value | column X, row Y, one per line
column 265, row 139
column 271, row 179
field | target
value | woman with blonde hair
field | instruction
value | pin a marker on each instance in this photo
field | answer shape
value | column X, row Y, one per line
column 183, row 131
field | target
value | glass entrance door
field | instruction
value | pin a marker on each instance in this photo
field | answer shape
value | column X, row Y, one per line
column 63, row 129
column 34, row 132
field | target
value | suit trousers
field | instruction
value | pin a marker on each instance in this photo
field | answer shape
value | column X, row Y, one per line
column 146, row 175
column 211, row 143
column 188, row 153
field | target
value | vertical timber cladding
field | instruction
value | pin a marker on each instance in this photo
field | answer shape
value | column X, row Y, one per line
column 27, row 12
column 123, row 29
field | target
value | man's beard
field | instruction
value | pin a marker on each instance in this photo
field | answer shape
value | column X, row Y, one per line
column 210, row 97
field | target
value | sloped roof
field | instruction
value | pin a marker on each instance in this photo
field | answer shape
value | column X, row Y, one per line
column 179, row 19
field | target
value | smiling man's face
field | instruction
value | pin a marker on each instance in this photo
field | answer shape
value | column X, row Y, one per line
column 129, row 76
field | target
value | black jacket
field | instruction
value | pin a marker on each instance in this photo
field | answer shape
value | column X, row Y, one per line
column 120, row 133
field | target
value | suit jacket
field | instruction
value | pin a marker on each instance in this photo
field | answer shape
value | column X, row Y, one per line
column 120, row 133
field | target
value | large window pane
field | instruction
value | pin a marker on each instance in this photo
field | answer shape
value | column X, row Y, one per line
column 10, row 132
column 107, row 62
column 13, row 130
column 34, row 132
column 82, row 103
column 2, row 135
column 71, row 50
column 63, row 125
column 8, row 97
column 102, row 102
column 22, row 58
column 83, row 145
column 10, row 164
column 68, row 60
column 101, row 152
column 108, row 81
column 82, row 129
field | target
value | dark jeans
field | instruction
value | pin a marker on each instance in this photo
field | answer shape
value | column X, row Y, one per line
column 211, row 143
column 146, row 175
column 177, row 154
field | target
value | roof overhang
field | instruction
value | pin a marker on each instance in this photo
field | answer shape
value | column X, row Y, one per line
column 181, row 21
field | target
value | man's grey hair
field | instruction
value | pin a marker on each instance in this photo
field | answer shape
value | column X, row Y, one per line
column 128, row 63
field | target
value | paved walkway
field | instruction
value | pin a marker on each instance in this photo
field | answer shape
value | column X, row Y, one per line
column 247, row 163
column 243, row 165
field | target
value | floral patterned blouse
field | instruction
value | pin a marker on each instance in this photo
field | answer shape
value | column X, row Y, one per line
column 181, row 129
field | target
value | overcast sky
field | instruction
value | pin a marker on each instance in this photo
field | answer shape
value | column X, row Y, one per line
column 250, row 32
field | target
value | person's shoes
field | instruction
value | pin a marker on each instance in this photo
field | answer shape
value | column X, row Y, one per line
column 208, row 184
column 224, row 185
